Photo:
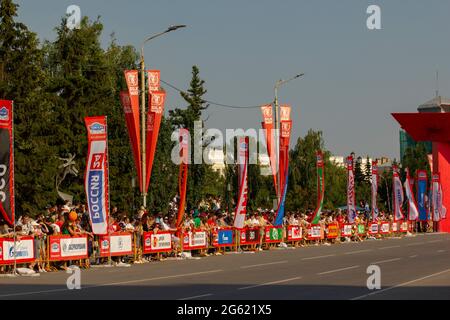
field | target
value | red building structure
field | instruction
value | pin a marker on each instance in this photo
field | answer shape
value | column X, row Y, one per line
column 433, row 126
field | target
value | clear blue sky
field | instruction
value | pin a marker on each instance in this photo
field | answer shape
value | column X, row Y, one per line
column 354, row 77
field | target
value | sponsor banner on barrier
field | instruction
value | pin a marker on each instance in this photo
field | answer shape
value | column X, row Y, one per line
column 24, row 250
column 294, row 233
column 121, row 245
column 249, row 236
column 362, row 229
column 347, row 230
column 68, row 248
column 333, row 231
column 273, row 234
column 195, row 240
column 157, row 242
column 314, row 232
column 373, row 228
column 223, row 238
column 404, row 226
column 394, row 226
column 384, row 228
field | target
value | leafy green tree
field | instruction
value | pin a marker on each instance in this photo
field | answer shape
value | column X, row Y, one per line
column 415, row 158
column 302, row 193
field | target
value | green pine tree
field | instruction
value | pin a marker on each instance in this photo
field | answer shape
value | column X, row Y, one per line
column 202, row 180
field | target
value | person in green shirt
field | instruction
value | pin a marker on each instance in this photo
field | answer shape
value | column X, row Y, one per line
column 197, row 220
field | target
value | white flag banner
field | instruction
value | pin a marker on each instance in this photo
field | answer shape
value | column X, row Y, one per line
column 398, row 195
column 436, row 198
column 413, row 211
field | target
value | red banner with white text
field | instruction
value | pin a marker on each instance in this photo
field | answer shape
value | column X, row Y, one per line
column 131, row 108
column 154, row 115
column 132, row 122
column 267, row 126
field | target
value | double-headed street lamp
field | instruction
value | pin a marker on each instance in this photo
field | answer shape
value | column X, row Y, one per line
column 278, row 84
column 143, row 124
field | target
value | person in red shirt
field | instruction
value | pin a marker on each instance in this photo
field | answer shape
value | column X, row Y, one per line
column 60, row 221
column 113, row 225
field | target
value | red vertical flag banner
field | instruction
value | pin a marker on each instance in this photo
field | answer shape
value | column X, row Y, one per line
column 96, row 174
column 6, row 161
column 286, row 126
column 183, row 174
column 133, row 132
column 267, row 126
column 241, row 208
column 154, row 116
column 130, row 103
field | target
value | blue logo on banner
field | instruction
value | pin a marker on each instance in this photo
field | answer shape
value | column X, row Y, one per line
column 422, row 206
column 4, row 114
column 225, row 237
column 95, row 196
column 97, row 128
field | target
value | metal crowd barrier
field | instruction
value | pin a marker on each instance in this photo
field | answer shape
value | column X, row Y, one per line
column 59, row 249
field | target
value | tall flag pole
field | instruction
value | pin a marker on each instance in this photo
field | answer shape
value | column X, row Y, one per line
column 267, row 126
column 7, row 207
column 413, row 211
column 320, row 187
column 374, row 190
column 156, row 100
column 351, row 203
column 422, row 185
column 96, row 174
column 398, row 195
column 241, row 208
column 130, row 104
column 183, row 173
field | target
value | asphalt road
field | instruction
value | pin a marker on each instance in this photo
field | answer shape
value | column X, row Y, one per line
column 411, row 268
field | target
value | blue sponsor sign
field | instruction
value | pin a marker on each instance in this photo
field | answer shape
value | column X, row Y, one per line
column 225, row 237
column 95, row 196
column 421, row 203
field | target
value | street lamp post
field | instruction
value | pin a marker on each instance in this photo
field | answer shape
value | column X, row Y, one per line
column 278, row 84
column 143, row 124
